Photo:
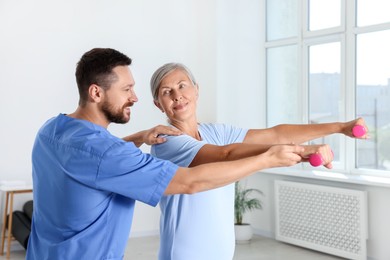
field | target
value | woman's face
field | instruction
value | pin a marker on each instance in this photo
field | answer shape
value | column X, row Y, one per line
column 177, row 96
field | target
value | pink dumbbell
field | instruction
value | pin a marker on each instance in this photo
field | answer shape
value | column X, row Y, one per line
column 316, row 160
column 358, row 131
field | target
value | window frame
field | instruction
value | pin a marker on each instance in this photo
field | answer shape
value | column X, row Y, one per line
column 346, row 34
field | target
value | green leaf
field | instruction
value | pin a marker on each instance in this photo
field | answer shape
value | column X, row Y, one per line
column 244, row 203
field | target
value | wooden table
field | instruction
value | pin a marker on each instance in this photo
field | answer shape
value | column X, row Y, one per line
column 8, row 209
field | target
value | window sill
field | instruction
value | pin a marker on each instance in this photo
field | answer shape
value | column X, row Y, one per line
column 332, row 176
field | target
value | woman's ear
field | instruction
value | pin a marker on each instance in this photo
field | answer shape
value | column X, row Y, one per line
column 157, row 104
column 95, row 93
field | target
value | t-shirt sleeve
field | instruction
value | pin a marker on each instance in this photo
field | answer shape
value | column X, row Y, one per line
column 237, row 134
column 125, row 170
column 180, row 150
column 222, row 134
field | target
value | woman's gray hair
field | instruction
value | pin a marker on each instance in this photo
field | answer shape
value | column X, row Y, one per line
column 162, row 72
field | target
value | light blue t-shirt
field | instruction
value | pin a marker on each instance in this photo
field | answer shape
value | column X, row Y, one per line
column 86, row 182
column 198, row 226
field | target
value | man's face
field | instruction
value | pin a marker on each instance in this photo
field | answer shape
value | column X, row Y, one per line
column 119, row 97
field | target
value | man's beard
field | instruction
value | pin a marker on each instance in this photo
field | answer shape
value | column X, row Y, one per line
column 114, row 115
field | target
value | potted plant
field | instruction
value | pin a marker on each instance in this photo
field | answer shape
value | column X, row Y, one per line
column 243, row 203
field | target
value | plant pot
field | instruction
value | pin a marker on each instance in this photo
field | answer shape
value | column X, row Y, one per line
column 243, row 233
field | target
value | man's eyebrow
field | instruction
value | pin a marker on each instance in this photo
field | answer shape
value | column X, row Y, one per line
column 129, row 85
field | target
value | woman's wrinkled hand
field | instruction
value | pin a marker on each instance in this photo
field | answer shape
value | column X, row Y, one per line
column 348, row 128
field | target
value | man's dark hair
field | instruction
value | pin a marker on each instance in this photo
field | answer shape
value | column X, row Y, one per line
column 95, row 67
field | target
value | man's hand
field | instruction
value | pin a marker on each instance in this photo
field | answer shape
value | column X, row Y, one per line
column 283, row 155
column 152, row 135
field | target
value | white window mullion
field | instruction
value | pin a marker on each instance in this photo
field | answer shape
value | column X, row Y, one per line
column 371, row 28
column 343, row 163
column 263, row 63
column 302, row 62
column 350, row 81
column 282, row 42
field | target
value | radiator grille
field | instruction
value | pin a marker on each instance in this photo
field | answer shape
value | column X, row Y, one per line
column 322, row 218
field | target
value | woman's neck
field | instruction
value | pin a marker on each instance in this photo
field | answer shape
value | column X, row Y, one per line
column 189, row 128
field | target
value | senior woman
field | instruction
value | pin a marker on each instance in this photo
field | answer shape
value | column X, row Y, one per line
column 200, row 226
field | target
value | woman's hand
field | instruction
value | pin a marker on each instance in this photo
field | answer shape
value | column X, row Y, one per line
column 348, row 128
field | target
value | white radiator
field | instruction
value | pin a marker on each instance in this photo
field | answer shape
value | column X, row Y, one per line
column 327, row 219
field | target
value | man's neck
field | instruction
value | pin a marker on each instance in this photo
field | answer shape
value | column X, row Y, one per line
column 90, row 115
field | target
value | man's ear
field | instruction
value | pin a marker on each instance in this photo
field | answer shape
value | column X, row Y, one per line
column 157, row 104
column 95, row 93
column 197, row 90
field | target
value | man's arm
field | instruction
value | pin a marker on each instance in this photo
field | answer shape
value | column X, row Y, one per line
column 152, row 136
column 214, row 153
column 213, row 175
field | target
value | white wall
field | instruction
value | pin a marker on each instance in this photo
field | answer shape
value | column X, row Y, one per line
column 239, row 63
column 42, row 40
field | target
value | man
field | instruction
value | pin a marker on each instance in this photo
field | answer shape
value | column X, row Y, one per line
column 86, row 181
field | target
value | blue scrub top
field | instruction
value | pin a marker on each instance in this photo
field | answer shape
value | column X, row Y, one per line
column 86, row 182
column 201, row 225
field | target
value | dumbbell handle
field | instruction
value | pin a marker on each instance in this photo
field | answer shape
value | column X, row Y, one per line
column 358, row 131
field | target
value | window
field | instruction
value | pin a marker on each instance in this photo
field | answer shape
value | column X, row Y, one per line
column 282, row 75
column 328, row 61
column 324, row 88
